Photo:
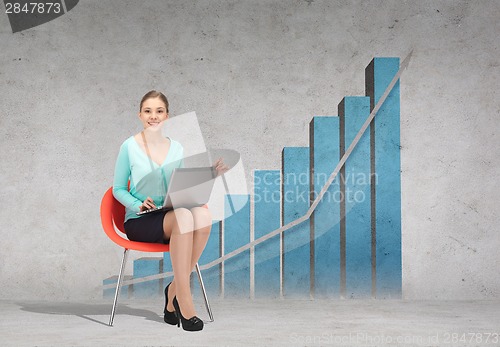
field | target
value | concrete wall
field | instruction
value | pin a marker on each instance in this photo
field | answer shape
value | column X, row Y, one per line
column 255, row 72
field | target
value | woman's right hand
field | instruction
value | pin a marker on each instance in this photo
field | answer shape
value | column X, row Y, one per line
column 147, row 204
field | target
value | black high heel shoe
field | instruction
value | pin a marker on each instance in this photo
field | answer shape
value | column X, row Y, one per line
column 169, row 317
column 192, row 324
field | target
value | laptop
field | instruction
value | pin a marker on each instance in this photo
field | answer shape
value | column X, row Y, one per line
column 188, row 187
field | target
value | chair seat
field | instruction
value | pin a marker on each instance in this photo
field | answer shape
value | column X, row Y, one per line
column 139, row 246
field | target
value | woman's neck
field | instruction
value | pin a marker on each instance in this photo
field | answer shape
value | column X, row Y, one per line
column 153, row 136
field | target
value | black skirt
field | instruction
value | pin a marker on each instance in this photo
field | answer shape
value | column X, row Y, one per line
column 147, row 228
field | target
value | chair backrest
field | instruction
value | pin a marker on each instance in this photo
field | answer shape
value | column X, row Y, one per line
column 118, row 213
column 112, row 219
column 112, row 214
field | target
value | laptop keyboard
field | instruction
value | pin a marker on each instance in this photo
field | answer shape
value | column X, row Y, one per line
column 150, row 210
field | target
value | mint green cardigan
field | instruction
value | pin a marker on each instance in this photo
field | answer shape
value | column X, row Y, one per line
column 146, row 177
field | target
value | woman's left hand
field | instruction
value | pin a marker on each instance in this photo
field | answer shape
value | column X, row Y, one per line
column 220, row 167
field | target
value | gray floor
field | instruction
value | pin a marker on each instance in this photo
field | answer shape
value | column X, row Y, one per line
column 256, row 323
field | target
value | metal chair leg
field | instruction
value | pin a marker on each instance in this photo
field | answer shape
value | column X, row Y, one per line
column 118, row 285
column 207, row 305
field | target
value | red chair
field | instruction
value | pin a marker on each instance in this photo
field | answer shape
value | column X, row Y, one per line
column 112, row 218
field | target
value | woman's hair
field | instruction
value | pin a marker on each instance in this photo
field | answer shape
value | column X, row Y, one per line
column 154, row 94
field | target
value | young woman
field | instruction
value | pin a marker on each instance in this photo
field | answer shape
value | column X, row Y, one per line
column 147, row 161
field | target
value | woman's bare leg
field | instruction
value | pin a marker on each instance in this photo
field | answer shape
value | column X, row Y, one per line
column 202, row 224
column 178, row 226
column 202, row 219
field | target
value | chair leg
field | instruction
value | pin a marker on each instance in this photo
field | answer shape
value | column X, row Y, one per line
column 207, row 305
column 118, row 285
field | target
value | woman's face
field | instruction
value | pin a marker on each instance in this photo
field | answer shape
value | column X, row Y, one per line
column 153, row 113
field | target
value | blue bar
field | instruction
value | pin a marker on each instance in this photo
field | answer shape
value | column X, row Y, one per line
column 236, row 234
column 211, row 276
column 386, row 202
column 125, row 291
column 295, row 200
column 353, row 112
column 267, row 190
column 325, row 227
column 146, row 267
